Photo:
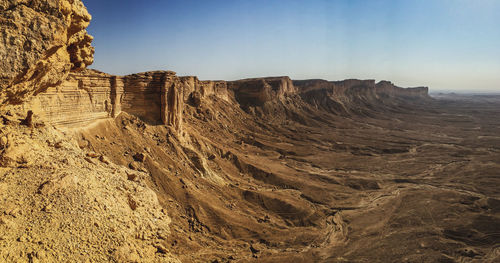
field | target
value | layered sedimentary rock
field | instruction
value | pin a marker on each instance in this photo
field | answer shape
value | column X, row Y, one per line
column 89, row 95
column 349, row 86
column 142, row 94
column 256, row 92
column 81, row 99
column 389, row 89
column 159, row 97
column 217, row 88
column 205, row 88
column 172, row 103
column 42, row 41
column 341, row 96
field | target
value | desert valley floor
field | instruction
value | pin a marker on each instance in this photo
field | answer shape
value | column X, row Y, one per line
column 379, row 180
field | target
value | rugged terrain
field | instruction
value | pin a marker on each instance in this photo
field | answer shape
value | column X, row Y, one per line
column 311, row 171
column 155, row 167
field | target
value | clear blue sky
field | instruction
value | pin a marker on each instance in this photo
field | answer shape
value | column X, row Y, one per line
column 443, row 44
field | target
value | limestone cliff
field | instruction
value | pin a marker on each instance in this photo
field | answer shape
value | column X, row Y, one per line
column 156, row 97
column 82, row 98
column 365, row 87
column 159, row 97
column 346, row 96
column 256, row 92
column 42, row 41
column 389, row 89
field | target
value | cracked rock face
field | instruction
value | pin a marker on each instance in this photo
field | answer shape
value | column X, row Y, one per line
column 41, row 42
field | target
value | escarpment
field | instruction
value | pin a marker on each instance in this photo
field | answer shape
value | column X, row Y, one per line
column 156, row 97
column 43, row 40
column 159, row 97
column 258, row 91
column 389, row 89
column 344, row 97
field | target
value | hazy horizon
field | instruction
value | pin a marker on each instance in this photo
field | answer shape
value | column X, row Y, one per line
column 445, row 45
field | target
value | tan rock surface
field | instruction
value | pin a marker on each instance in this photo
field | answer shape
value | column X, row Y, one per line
column 57, row 206
column 90, row 95
column 42, row 41
column 258, row 91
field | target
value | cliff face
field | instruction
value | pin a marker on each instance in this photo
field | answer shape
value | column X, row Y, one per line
column 159, row 97
column 82, row 98
column 256, row 92
column 42, row 42
column 344, row 96
column 204, row 88
column 89, row 95
column 389, row 89
column 143, row 94
column 349, row 87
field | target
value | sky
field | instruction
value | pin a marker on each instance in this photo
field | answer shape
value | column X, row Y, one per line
column 443, row 44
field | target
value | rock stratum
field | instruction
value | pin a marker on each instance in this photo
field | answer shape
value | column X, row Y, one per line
column 159, row 96
column 155, row 167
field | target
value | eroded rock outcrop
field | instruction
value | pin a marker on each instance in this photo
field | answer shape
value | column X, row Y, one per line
column 389, row 89
column 343, row 96
column 159, row 97
column 156, row 97
column 42, row 41
column 82, row 98
column 349, row 87
column 256, row 92
column 142, row 94
column 206, row 88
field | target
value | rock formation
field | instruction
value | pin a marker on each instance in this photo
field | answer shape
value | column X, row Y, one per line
column 159, row 96
column 82, row 98
column 90, row 95
column 43, row 40
column 389, row 89
column 344, row 97
column 46, row 48
column 258, row 91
